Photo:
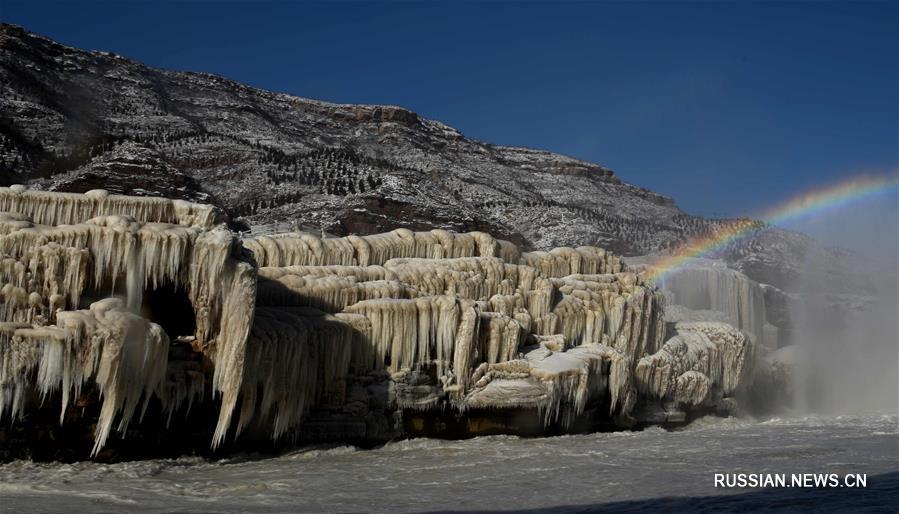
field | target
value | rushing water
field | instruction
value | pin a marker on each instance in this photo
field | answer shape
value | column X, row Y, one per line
column 636, row 471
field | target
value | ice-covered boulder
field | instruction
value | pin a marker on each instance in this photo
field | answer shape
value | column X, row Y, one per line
column 701, row 364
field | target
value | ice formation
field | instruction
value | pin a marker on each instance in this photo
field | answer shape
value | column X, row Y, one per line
column 709, row 285
column 72, row 208
column 703, row 362
column 111, row 292
column 48, row 271
column 124, row 354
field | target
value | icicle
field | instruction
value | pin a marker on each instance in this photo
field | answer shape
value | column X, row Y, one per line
column 308, row 249
column 125, row 355
column 710, row 285
column 72, row 208
column 297, row 358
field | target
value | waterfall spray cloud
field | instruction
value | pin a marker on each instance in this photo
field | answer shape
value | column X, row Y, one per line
column 844, row 323
column 842, row 194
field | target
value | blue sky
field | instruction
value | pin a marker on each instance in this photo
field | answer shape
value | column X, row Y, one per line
column 727, row 107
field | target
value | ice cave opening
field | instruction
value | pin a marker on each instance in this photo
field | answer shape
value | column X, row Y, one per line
column 168, row 305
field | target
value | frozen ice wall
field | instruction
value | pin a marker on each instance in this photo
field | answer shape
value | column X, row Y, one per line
column 706, row 284
column 154, row 303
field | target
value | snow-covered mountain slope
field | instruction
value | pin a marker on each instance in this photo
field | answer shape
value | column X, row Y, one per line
column 73, row 120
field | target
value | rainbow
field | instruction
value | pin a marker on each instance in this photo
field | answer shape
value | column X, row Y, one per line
column 813, row 202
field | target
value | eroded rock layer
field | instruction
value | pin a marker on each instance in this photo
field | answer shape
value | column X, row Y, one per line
column 156, row 305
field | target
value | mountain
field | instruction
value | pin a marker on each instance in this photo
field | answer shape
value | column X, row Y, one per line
column 75, row 120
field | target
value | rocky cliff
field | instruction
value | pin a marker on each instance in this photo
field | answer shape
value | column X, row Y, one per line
column 73, row 120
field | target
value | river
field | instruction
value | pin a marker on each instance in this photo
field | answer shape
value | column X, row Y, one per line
column 647, row 470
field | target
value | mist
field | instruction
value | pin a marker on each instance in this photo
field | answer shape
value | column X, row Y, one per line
column 848, row 328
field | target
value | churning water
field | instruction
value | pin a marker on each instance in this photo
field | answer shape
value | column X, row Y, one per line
column 634, row 471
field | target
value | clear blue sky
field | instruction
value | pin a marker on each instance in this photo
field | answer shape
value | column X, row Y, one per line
column 727, row 107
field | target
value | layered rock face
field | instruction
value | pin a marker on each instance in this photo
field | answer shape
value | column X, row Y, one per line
column 153, row 306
